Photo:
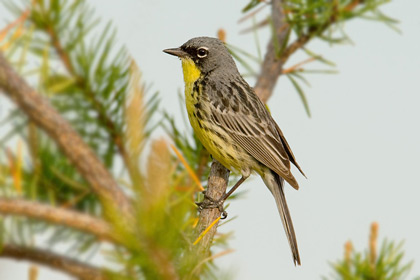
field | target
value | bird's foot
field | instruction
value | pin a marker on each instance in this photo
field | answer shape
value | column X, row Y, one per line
column 210, row 203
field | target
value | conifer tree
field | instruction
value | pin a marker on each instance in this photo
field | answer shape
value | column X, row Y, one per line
column 73, row 167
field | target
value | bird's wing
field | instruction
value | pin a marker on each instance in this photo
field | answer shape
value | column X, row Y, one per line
column 288, row 149
column 255, row 131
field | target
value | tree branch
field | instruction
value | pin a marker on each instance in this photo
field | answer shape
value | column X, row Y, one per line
column 218, row 179
column 54, row 261
column 78, row 152
column 61, row 216
column 272, row 65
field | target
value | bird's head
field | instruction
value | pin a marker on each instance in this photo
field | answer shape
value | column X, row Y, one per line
column 202, row 55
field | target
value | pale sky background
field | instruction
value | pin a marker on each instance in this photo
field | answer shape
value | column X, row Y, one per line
column 360, row 150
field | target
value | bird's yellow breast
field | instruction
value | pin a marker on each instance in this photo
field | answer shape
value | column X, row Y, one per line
column 191, row 75
column 214, row 138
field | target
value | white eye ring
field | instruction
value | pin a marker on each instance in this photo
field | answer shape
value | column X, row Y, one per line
column 202, row 52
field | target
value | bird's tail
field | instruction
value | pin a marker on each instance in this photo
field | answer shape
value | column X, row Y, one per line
column 275, row 184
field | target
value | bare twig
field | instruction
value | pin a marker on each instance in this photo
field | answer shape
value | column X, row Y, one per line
column 78, row 152
column 54, row 261
column 66, row 217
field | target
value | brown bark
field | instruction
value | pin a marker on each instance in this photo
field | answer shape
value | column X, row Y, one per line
column 272, row 65
column 218, row 179
column 60, row 216
column 55, row 261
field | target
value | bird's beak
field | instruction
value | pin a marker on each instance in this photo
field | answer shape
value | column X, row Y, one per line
column 176, row 51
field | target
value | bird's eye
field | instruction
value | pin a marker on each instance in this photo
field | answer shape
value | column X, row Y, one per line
column 202, row 52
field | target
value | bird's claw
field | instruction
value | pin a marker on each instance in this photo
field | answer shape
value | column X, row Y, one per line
column 210, row 203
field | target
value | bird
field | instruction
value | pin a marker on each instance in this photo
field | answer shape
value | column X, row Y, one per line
column 234, row 125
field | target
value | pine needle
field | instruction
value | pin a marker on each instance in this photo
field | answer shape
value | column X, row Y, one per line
column 206, row 230
column 188, row 167
column 218, row 255
column 15, row 165
column 195, row 223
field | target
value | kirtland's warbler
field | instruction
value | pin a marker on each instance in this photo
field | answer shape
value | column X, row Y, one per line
column 233, row 124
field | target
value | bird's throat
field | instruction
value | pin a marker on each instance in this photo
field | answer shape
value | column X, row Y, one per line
column 191, row 72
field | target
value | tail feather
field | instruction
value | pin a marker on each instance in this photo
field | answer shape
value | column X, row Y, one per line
column 275, row 183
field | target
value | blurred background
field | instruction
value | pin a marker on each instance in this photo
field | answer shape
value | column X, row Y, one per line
column 359, row 148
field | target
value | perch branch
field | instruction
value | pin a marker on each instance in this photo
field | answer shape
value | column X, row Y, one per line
column 55, row 261
column 217, row 184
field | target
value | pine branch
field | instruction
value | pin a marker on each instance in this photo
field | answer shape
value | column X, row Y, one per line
column 55, row 261
column 383, row 262
column 275, row 59
column 60, row 216
column 83, row 84
column 37, row 108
